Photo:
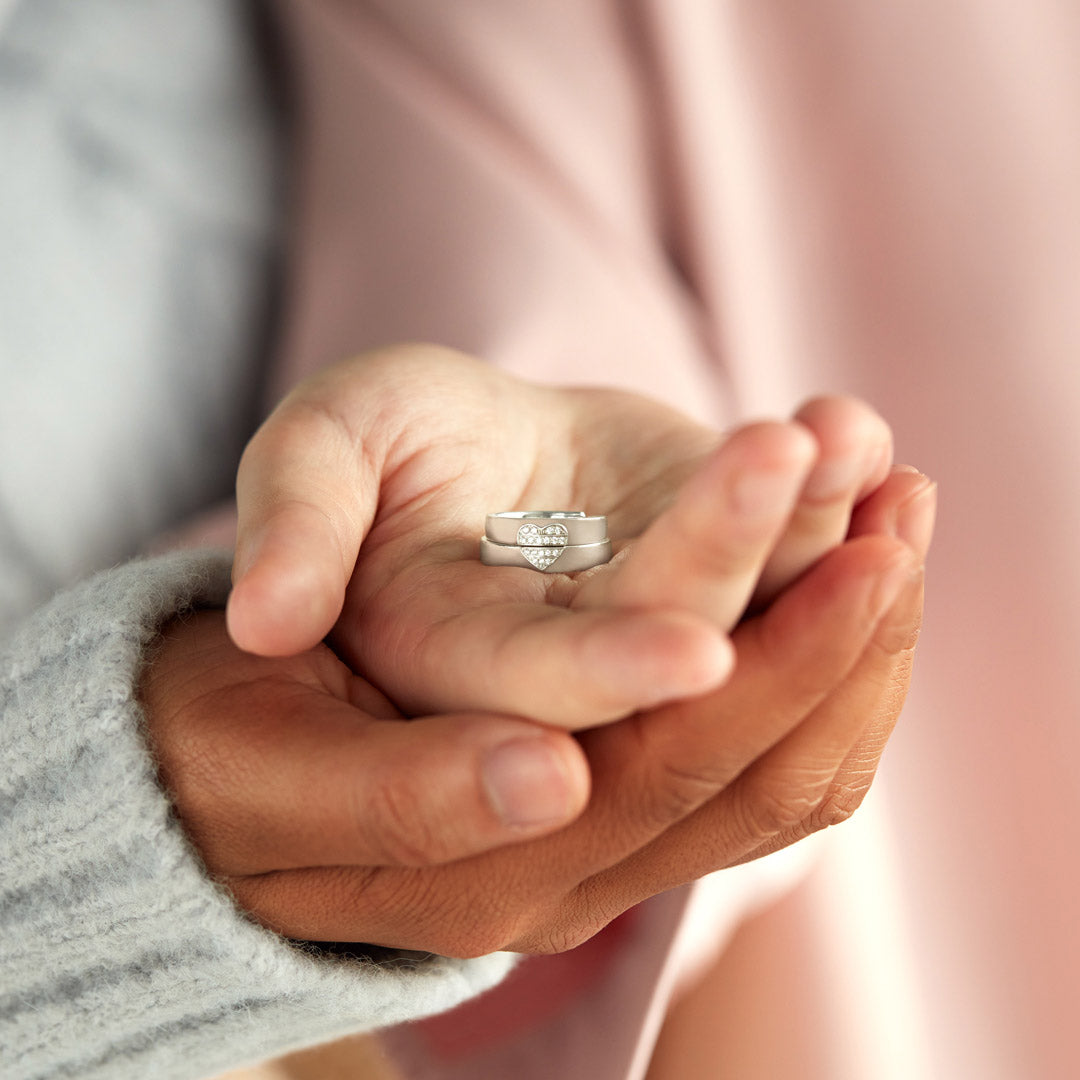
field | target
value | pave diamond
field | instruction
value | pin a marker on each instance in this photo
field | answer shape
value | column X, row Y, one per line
column 542, row 546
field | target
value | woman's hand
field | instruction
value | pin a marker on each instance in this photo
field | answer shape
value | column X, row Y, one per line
column 330, row 818
column 362, row 497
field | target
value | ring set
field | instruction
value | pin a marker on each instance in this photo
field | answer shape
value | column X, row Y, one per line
column 551, row 541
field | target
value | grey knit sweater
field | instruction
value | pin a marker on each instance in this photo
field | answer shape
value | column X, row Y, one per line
column 136, row 222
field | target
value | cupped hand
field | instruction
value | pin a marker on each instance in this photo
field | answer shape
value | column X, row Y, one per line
column 279, row 763
column 788, row 746
column 363, row 496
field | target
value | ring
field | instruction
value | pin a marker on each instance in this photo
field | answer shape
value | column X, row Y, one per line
column 578, row 527
column 551, row 541
column 548, row 559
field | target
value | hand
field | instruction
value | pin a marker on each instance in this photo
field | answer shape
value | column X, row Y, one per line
column 275, row 764
column 294, row 777
column 362, row 497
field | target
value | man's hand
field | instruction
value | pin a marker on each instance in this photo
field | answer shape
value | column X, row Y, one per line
column 362, row 499
column 276, row 764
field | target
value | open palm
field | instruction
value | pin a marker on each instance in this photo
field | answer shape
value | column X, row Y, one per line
column 363, row 497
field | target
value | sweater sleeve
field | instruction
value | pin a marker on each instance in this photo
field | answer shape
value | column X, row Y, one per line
column 119, row 957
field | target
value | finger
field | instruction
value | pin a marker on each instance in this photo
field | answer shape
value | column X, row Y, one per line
column 706, row 551
column 645, row 780
column 814, row 777
column 571, row 669
column 875, row 694
column 287, row 771
column 789, row 660
column 306, row 495
column 855, row 450
column 905, row 506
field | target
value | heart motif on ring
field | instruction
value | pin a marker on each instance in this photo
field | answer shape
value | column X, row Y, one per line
column 542, row 546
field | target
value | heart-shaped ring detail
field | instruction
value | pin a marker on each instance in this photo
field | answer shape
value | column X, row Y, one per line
column 542, row 545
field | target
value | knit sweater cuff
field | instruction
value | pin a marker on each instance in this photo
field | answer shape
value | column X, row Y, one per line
column 120, row 957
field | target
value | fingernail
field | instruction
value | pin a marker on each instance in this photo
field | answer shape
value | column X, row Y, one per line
column 528, row 784
column 915, row 519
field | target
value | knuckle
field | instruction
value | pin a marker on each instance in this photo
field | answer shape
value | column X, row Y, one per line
column 772, row 802
column 559, row 939
column 732, row 556
column 682, row 788
column 320, row 422
column 394, row 816
column 839, row 804
column 309, row 432
column 729, row 560
column 299, row 422
column 675, row 783
column 289, row 435
column 566, row 924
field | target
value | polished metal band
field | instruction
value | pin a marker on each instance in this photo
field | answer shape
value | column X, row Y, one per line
column 564, row 559
column 580, row 528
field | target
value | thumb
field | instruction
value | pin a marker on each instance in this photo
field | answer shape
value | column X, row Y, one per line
column 321, row 785
column 277, row 764
column 306, row 491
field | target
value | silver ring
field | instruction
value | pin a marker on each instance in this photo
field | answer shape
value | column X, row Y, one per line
column 579, row 527
column 549, row 558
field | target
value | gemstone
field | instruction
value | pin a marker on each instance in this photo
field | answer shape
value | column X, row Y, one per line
column 542, row 545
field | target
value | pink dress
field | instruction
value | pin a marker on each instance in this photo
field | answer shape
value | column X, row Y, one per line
column 731, row 204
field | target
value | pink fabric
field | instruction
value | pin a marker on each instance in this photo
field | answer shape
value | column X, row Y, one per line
column 729, row 204
column 582, row 1014
column 480, row 175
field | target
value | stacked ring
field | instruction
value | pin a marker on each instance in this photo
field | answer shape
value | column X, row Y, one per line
column 551, row 541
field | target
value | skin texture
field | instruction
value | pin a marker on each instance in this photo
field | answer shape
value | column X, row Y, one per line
column 352, row 793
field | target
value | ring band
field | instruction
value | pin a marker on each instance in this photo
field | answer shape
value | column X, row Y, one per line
column 579, row 527
column 549, row 559
column 551, row 541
